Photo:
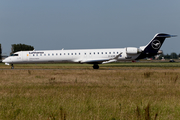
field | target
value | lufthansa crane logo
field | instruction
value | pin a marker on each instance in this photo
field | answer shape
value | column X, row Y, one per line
column 156, row 44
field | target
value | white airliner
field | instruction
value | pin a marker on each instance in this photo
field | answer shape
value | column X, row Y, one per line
column 89, row 56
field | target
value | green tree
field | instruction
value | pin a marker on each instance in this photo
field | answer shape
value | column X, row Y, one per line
column 174, row 55
column 179, row 55
column 0, row 52
column 167, row 56
column 20, row 47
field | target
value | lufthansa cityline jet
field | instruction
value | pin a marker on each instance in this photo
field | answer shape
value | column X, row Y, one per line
column 89, row 56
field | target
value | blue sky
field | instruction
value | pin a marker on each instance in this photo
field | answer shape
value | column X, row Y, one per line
column 79, row 24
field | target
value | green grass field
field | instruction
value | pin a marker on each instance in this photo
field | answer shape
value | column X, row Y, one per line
column 117, row 91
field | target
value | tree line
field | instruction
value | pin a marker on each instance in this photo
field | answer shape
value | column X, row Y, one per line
column 16, row 48
column 173, row 55
column 20, row 47
column 0, row 52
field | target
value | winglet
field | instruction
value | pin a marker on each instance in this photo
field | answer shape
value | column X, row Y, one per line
column 113, row 59
column 116, row 56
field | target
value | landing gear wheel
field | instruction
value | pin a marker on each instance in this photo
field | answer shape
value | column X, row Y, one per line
column 12, row 67
column 95, row 66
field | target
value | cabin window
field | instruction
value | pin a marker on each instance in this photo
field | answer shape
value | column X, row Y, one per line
column 109, row 52
column 90, row 53
column 44, row 54
column 98, row 53
column 85, row 53
column 75, row 53
column 60, row 53
column 40, row 54
column 94, row 53
column 71, row 53
column 64, row 53
column 48, row 54
column 79, row 53
column 113, row 52
column 68, row 53
column 102, row 53
column 106, row 52
column 33, row 54
column 56, row 54
column 52, row 54
column 117, row 52
column 36, row 54
column 14, row 55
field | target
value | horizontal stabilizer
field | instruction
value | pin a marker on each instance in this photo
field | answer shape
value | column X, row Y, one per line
column 166, row 35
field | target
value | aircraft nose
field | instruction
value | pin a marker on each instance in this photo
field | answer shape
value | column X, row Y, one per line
column 5, row 60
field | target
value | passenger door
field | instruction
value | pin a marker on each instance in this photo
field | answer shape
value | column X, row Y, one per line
column 25, row 56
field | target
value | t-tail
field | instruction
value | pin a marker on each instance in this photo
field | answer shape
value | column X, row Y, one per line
column 154, row 45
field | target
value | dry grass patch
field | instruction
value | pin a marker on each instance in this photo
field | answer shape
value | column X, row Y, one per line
column 128, row 93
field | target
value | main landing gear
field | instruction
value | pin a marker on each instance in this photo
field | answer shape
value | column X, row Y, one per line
column 96, row 66
column 12, row 67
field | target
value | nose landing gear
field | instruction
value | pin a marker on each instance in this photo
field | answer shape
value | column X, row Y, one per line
column 12, row 67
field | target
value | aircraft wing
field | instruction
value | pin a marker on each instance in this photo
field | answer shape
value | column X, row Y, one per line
column 94, row 61
column 100, row 60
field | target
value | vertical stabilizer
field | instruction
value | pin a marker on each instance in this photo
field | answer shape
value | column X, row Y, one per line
column 154, row 45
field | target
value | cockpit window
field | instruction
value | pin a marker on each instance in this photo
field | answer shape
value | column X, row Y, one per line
column 14, row 55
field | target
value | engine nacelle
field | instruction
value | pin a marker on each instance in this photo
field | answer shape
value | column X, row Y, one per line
column 133, row 50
